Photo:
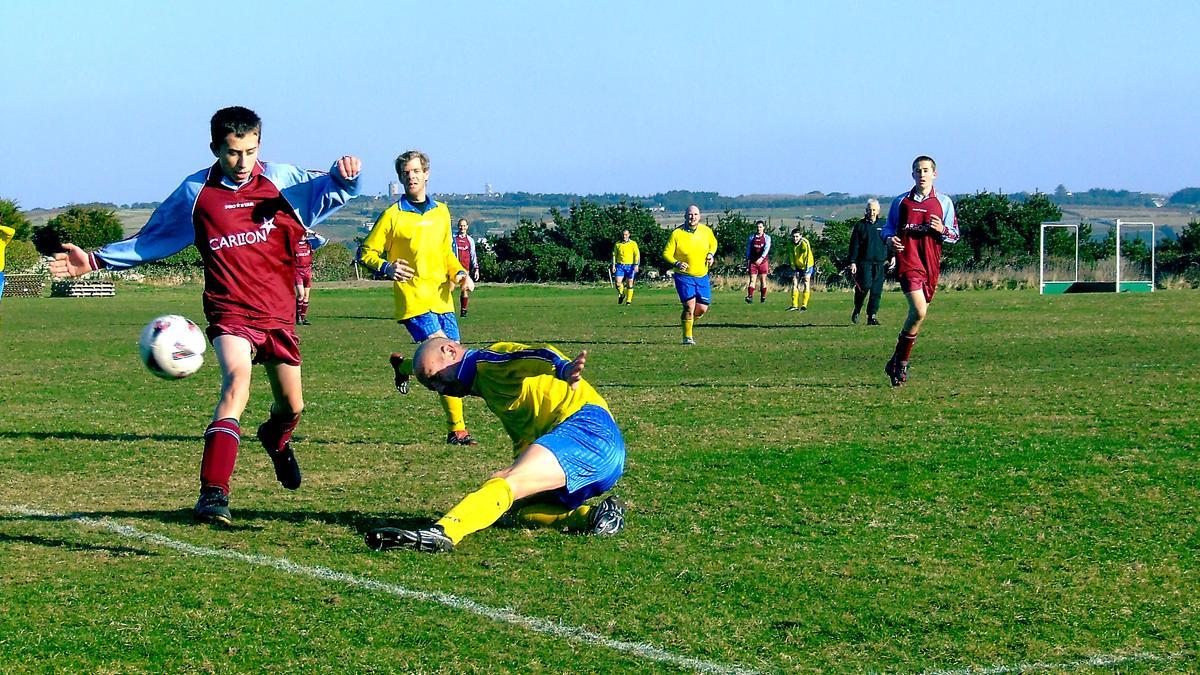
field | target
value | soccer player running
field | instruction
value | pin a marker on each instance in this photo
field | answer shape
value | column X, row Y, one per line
column 868, row 256
column 246, row 217
column 626, row 259
column 801, row 256
column 410, row 244
column 919, row 222
column 310, row 242
column 567, row 445
column 758, row 250
column 464, row 250
column 6, row 235
column 690, row 250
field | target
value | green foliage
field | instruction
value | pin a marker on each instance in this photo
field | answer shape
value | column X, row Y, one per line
column 732, row 231
column 333, row 262
column 20, row 256
column 591, row 230
column 833, row 244
column 997, row 230
column 87, row 227
column 183, row 266
column 1185, row 197
column 11, row 216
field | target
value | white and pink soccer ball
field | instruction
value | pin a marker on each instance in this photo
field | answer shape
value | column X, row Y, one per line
column 172, row 347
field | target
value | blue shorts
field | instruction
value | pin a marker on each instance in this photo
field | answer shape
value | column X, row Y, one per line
column 625, row 271
column 421, row 326
column 1, row 284
column 693, row 288
column 589, row 448
column 806, row 272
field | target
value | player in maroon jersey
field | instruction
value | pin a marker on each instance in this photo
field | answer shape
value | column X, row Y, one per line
column 245, row 216
column 919, row 222
column 464, row 249
column 310, row 242
column 758, row 250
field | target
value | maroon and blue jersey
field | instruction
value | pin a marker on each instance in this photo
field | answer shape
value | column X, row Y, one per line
column 248, row 236
column 757, row 246
column 909, row 219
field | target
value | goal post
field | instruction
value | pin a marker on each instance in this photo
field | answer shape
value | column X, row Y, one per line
column 1135, row 285
column 1056, row 286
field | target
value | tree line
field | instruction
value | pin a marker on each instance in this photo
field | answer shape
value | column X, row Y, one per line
column 997, row 231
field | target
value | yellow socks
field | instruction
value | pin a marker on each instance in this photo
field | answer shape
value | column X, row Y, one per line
column 806, row 294
column 553, row 515
column 687, row 327
column 795, row 298
column 454, row 413
column 478, row 510
column 629, row 295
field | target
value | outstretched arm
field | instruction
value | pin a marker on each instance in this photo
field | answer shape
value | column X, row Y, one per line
column 72, row 262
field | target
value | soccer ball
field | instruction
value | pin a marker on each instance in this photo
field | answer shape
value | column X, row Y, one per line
column 172, row 347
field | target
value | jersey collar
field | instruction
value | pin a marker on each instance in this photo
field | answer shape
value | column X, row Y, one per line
column 468, row 368
column 406, row 205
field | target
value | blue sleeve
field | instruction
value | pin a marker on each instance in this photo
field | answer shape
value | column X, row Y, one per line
column 749, row 244
column 474, row 258
column 767, row 248
column 889, row 227
column 169, row 230
column 317, row 241
column 950, row 220
column 314, row 195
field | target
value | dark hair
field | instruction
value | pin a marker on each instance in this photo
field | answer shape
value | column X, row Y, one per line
column 924, row 158
column 796, row 230
column 234, row 120
column 760, row 222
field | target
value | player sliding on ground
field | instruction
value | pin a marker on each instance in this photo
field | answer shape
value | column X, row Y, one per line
column 918, row 223
column 567, row 445
column 246, row 217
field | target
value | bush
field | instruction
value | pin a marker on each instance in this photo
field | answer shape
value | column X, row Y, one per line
column 11, row 216
column 183, row 267
column 20, row 256
column 333, row 262
column 87, row 227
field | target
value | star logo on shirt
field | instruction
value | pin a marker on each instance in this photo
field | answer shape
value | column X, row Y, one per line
column 267, row 226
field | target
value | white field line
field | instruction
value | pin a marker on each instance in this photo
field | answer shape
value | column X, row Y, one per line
column 502, row 615
column 1098, row 661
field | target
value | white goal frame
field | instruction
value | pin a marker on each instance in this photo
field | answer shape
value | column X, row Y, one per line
column 1042, row 255
column 1140, row 285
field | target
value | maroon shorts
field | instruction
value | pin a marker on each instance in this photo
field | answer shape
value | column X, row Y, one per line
column 763, row 267
column 304, row 277
column 275, row 345
column 917, row 280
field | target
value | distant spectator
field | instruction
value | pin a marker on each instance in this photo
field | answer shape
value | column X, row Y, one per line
column 868, row 257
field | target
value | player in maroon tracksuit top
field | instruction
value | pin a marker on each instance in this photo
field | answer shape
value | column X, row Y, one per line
column 918, row 223
column 246, row 218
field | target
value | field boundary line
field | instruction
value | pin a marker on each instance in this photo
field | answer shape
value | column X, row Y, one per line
column 1097, row 661
column 499, row 614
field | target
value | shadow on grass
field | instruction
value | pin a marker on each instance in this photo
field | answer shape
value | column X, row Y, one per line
column 702, row 324
column 730, row 385
column 93, row 436
column 71, row 545
column 244, row 519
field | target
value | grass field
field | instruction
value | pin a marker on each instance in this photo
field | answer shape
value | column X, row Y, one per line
column 1029, row 502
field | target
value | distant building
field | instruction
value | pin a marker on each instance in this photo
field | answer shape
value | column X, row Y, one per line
column 394, row 189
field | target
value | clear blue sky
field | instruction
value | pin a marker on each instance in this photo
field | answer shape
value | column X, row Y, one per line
column 109, row 101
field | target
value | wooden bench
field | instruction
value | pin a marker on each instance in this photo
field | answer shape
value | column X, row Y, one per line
column 24, row 285
column 75, row 288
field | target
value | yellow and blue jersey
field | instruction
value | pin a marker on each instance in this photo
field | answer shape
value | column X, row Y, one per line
column 420, row 235
column 523, row 386
column 6, row 235
column 626, row 253
column 692, row 247
column 801, row 254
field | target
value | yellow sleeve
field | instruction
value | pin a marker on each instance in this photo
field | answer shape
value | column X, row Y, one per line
column 374, row 249
column 614, row 255
column 712, row 241
column 513, row 361
column 6, row 234
column 637, row 254
column 670, row 250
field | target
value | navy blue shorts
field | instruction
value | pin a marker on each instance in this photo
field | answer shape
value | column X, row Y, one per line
column 421, row 326
column 589, row 448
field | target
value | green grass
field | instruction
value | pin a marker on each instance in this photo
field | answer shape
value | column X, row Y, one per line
column 1031, row 496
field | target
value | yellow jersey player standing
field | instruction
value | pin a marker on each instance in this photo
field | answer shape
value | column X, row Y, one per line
column 567, row 445
column 626, row 259
column 410, row 244
column 690, row 250
column 801, row 256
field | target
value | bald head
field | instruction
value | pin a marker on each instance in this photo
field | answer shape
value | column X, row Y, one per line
column 435, row 365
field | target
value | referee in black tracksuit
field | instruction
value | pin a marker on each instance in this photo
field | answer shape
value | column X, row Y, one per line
column 868, row 257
